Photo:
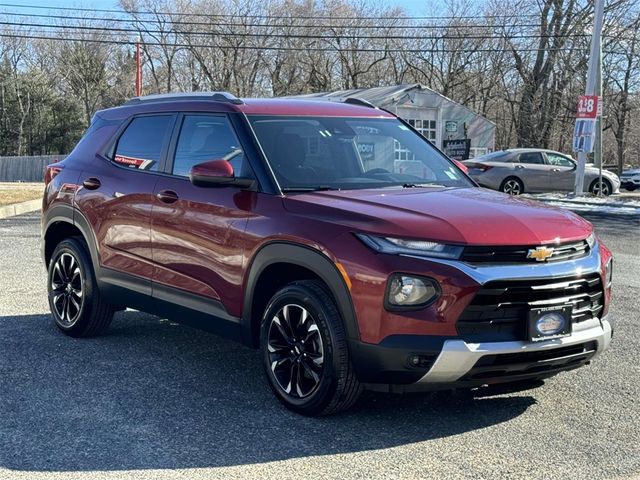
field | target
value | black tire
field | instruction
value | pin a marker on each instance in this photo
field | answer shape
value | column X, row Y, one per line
column 336, row 387
column 82, row 314
column 512, row 186
column 607, row 188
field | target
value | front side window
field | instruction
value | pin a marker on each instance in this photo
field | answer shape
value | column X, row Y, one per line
column 559, row 160
column 140, row 146
column 350, row 153
column 204, row 138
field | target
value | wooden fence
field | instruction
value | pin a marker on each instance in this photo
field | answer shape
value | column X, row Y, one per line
column 26, row 169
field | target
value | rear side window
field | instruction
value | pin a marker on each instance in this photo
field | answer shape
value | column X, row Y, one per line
column 532, row 158
column 141, row 144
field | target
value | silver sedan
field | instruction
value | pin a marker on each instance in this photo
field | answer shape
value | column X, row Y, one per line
column 531, row 170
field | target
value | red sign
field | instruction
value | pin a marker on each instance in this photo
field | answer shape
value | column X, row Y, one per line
column 587, row 106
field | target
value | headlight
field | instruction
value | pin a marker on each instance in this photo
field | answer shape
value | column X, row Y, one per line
column 409, row 291
column 411, row 247
column 608, row 272
column 591, row 241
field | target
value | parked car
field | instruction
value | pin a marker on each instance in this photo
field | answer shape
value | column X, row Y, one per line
column 291, row 226
column 520, row 170
column 630, row 179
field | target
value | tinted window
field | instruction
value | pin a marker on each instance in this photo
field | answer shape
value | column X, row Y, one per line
column 531, row 157
column 559, row 160
column 204, row 138
column 140, row 146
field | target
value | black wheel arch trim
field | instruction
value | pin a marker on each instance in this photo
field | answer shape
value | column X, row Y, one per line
column 302, row 256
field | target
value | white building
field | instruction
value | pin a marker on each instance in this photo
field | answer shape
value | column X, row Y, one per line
column 437, row 117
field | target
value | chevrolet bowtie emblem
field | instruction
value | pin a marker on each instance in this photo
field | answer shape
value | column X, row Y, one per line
column 540, row 253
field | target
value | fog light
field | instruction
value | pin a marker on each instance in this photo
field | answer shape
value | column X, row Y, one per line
column 407, row 291
column 421, row 361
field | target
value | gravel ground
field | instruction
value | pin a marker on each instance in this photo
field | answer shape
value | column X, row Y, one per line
column 155, row 400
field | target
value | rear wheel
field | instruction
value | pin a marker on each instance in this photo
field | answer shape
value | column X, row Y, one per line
column 512, row 186
column 607, row 189
column 304, row 351
column 74, row 299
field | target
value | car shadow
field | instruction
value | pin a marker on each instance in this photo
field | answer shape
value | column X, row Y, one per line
column 151, row 395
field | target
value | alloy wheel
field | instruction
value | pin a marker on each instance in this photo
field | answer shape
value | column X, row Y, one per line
column 67, row 289
column 512, row 187
column 596, row 188
column 296, row 354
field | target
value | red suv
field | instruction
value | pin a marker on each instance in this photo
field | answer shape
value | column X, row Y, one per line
column 331, row 236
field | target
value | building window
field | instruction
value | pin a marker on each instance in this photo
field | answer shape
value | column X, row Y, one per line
column 477, row 151
column 427, row 128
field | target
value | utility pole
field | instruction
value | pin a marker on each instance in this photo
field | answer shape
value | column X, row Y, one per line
column 592, row 74
column 138, row 70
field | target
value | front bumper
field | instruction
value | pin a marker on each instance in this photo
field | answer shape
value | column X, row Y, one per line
column 455, row 363
column 458, row 358
column 451, row 361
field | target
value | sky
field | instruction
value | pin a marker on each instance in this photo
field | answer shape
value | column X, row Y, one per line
column 413, row 7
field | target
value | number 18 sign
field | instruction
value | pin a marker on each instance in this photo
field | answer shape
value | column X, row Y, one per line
column 585, row 131
column 587, row 106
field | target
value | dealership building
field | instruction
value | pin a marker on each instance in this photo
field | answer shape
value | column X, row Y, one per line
column 447, row 124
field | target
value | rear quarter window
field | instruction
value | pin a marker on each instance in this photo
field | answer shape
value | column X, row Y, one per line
column 141, row 144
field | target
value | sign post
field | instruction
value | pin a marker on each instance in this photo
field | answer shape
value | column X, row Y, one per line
column 584, row 134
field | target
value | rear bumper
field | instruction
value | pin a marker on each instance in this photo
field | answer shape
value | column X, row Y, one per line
column 451, row 362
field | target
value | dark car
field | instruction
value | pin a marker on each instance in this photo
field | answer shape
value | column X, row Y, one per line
column 295, row 227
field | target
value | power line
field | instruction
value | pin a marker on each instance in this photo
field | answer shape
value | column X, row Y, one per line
column 291, row 35
column 278, row 25
column 237, row 15
column 293, row 49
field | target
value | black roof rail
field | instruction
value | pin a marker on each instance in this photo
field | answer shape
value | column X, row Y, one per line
column 176, row 97
column 358, row 101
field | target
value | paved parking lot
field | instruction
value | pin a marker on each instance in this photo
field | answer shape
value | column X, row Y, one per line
column 155, row 400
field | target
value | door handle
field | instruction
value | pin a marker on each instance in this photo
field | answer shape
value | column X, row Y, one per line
column 519, row 166
column 91, row 183
column 167, row 196
column 555, row 169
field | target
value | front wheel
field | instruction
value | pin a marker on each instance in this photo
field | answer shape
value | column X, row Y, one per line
column 607, row 189
column 304, row 351
column 75, row 301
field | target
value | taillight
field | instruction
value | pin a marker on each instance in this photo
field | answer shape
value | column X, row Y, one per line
column 461, row 165
column 479, row 166
column 50, row 172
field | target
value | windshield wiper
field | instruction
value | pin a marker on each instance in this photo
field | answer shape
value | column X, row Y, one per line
column 319, row 188
column 418, row 185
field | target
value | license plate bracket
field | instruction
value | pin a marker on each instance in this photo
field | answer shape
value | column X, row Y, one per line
column 547, row 323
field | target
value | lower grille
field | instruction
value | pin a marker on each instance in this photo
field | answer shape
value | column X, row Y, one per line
column 500, row 309
column 548, row 361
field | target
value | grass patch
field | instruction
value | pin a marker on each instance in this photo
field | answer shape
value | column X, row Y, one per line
column 15, row 195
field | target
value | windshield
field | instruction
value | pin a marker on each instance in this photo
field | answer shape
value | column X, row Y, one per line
column 318, row 153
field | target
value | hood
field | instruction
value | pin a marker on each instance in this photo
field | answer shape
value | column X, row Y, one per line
column 471, row 216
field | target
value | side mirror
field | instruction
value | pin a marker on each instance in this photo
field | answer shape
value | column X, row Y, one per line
column 214, row 173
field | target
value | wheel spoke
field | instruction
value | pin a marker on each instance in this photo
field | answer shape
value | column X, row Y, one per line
column 307, row 368
column 299, row 382
column 280, row 329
